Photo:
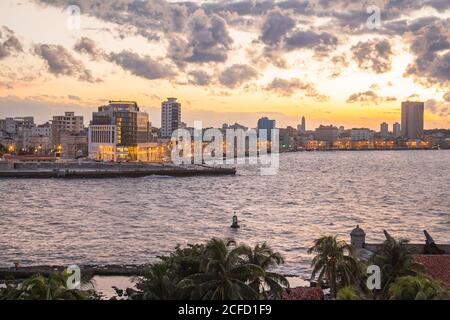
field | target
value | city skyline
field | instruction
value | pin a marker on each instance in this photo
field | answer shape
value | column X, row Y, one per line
column 231, row 62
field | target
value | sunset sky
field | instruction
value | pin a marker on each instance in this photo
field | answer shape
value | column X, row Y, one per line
column 228, row 61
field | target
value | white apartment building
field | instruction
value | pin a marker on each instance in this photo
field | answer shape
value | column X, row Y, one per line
column 68, row 123
column 397, row 130
column 170, row 117
column 102, row 140
column 104, row 146
column 384, row 130
column 361, row 134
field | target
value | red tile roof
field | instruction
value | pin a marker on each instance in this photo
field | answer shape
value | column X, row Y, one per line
column 436, row 266
column 303, row 293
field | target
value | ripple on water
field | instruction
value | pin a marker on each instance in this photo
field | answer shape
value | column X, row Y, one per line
column 134, row 220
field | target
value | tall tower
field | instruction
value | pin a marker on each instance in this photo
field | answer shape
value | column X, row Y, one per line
column 170, row 117
column 397, row 130
column 302, row 127
column 412, row 119
column 384, row 130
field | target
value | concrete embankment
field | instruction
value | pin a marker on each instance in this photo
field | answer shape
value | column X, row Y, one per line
column 92, row 170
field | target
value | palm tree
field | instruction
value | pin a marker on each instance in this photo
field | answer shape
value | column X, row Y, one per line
column 335, row 262
column 417, row 288
column 349, row 293
column 264, row 257
column 38, row 287
column 225, row 274
column 395, row 261
column 157, row 284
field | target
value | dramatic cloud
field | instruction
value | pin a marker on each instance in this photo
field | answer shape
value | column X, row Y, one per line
column 320, row 42
column 237, row 74
column 145, row 67
column 375, row 55
column 208, row 41
column 89, row 47
column 275, row 27
column 61, row 63
column 199, row 78
column 288, row 87
column 9, row 44
column 431, row 46
column 439, row 108
column 369, row 97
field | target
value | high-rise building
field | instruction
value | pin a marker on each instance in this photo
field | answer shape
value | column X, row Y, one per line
column 384, row 130
column 268, row 125
column 120, row 131
column 361, row 134
column 301, row 128
column 170, row 117
column 68, row 123
column 412, row 119
column 397, row 130
column 132, row 124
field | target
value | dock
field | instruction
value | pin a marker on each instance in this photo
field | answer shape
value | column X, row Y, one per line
column 99, row 170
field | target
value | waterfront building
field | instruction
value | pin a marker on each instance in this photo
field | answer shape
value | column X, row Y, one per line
column 69, row 123
column 328, row 134
column 73, row 145
column 361, row 134
column 119, row 131
column 412, row 119
column 267, row 124
column 397, row 130
column 384, row 130
column 170, row 117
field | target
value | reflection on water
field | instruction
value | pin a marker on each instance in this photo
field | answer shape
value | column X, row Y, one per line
column 317, row 193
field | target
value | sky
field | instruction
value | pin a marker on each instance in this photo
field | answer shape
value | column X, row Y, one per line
column 338, row 62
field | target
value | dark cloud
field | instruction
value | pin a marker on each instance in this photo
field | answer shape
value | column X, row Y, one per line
column 237, row 74
column 275, row 27
column 157, row 15
column 430, row 46
column 288, row 87
column 440, row 108
column 199, row 78
column 369, row 97
column 320, row 42
column 145, row 67
column 208, row 41
column 373, row 55
column 61, row 63
column 89, row 47
column 9, row 44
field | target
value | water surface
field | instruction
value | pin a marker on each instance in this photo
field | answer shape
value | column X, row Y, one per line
column 134, row 220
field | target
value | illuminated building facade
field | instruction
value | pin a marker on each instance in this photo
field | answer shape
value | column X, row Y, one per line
column 119, row 131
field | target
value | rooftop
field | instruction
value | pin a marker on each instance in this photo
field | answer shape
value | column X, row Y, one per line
column 303, row 293
column 436, row 266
